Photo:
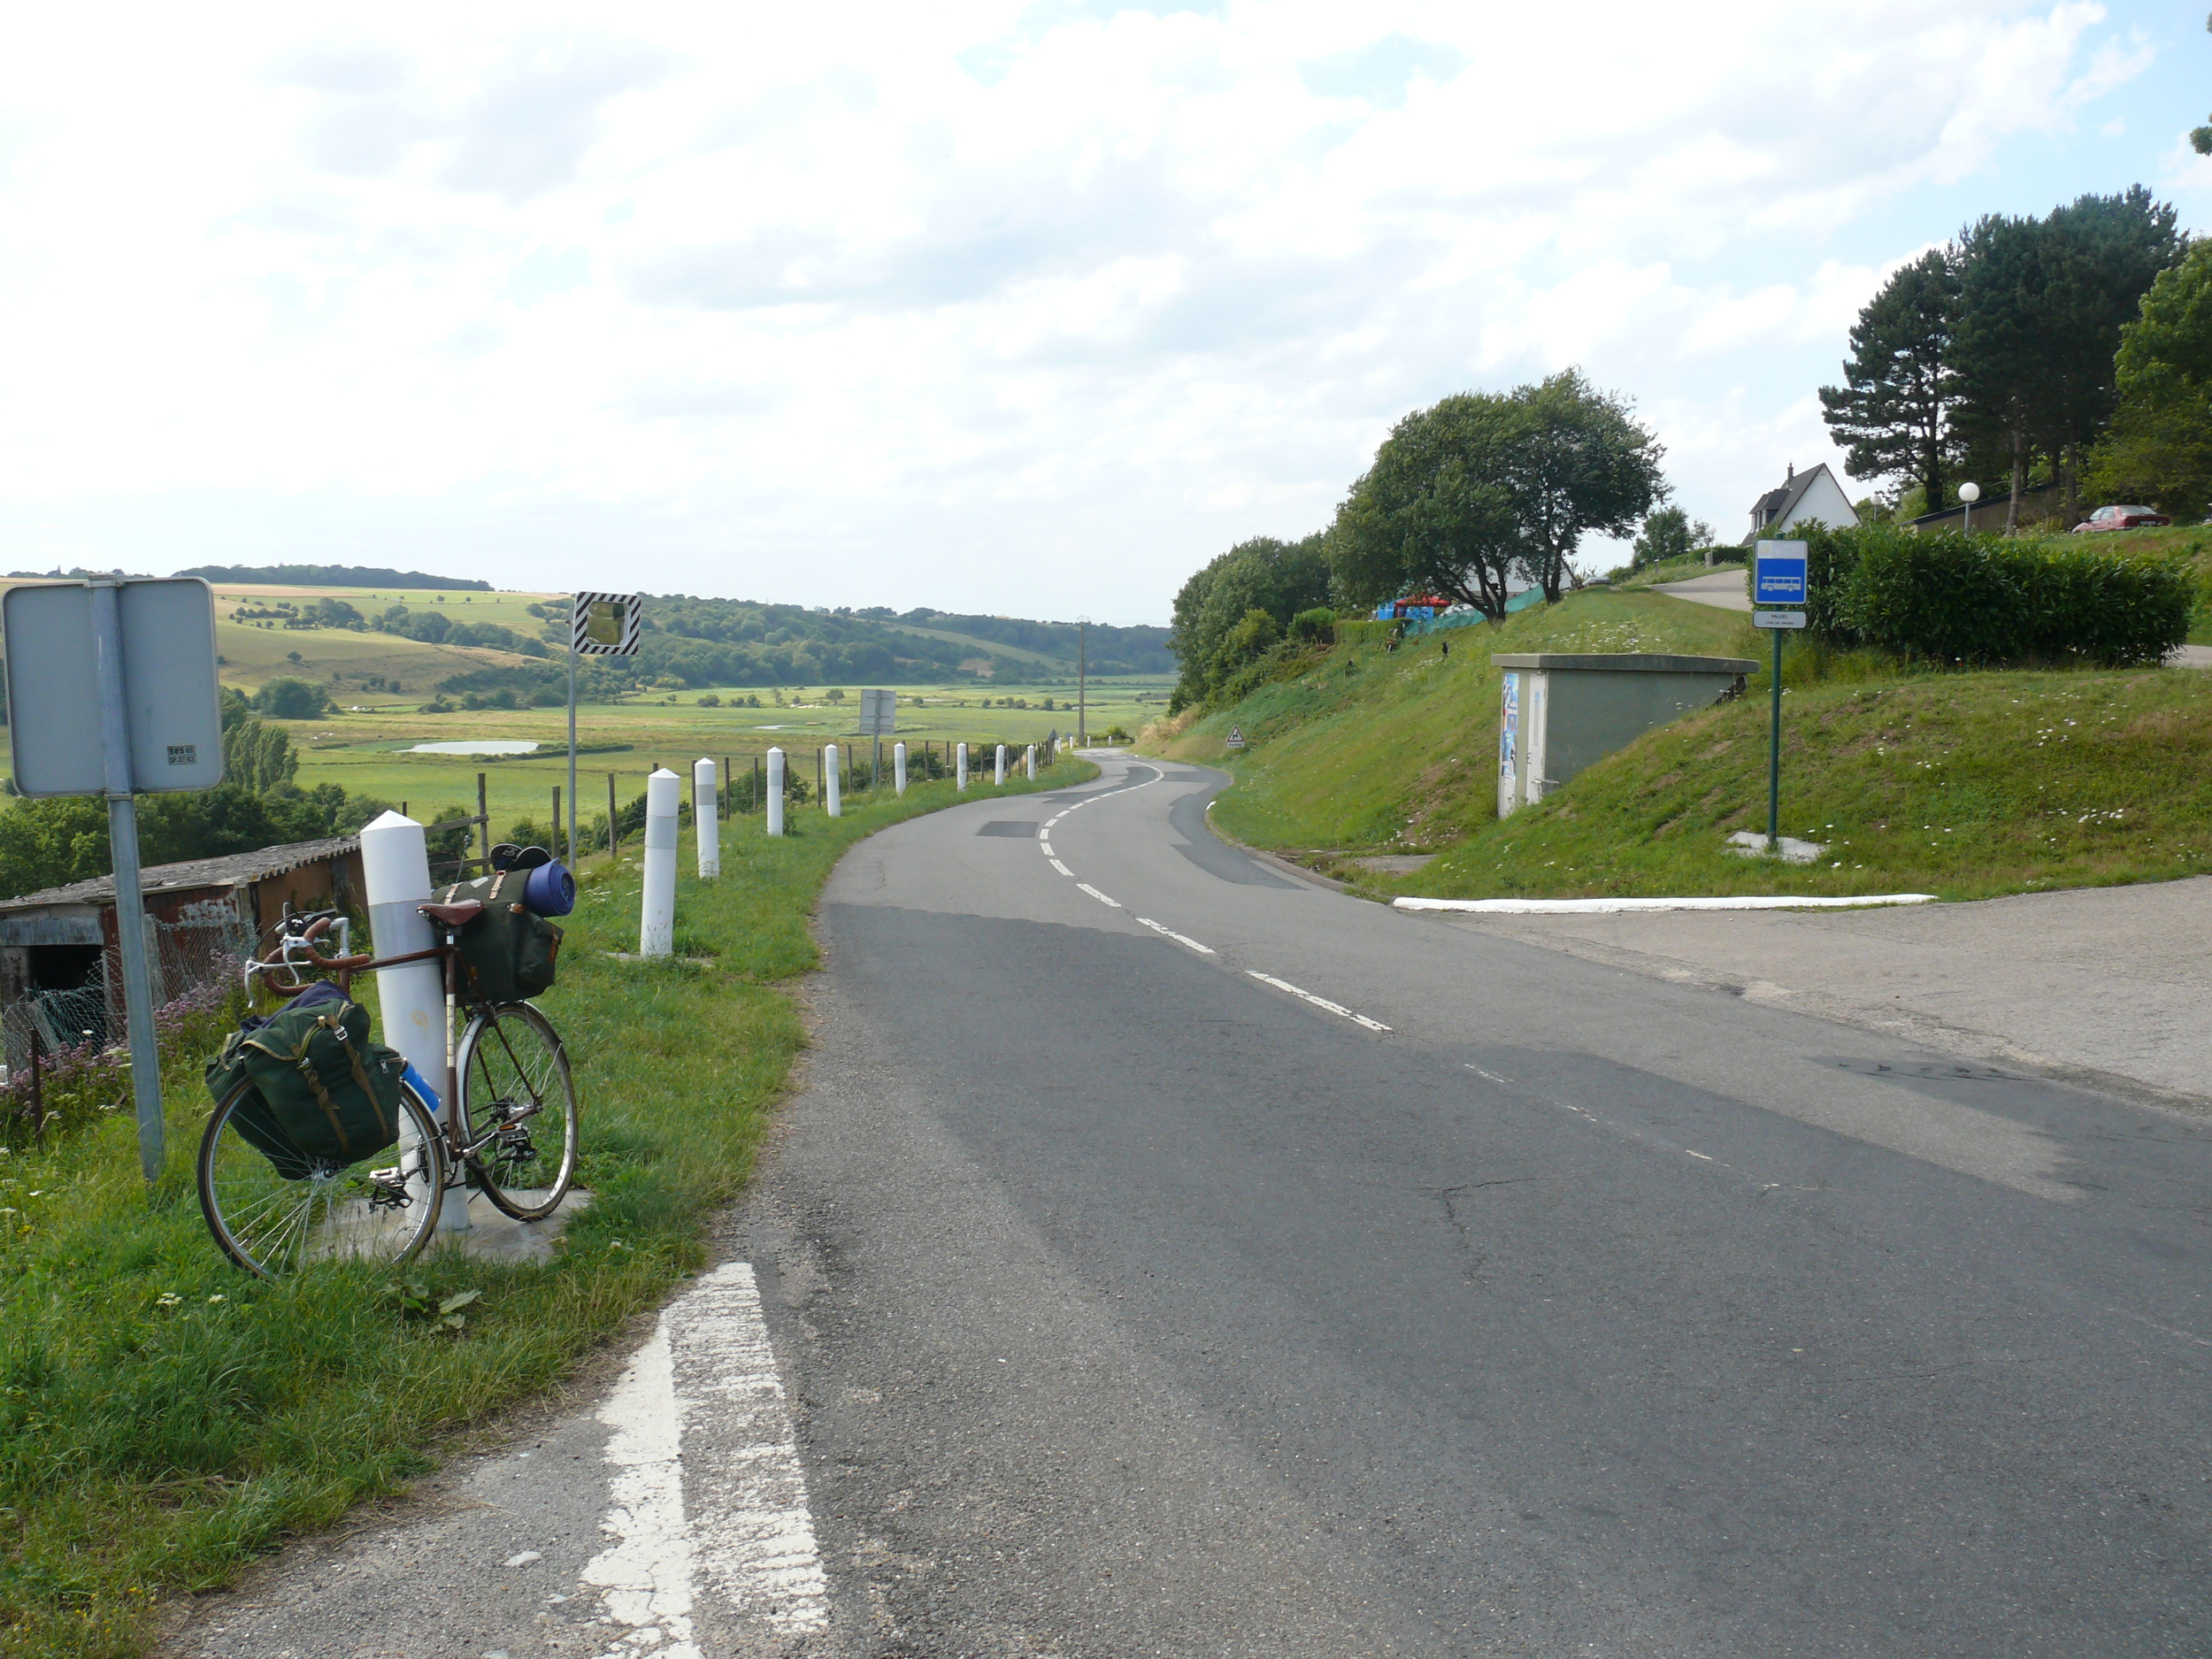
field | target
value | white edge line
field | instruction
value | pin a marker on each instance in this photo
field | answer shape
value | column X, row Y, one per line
column 1095, row 894
column 1064, row 870
column 1602, row 906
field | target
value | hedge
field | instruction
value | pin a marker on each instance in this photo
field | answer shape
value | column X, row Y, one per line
column 1987, row 601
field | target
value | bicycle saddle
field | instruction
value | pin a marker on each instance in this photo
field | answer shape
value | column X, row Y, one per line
column 453, row 915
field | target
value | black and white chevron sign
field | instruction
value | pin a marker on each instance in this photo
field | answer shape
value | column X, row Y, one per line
column 606, row 625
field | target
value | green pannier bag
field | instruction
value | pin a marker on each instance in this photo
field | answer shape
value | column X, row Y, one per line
column 508, row 953
column 319, row 1094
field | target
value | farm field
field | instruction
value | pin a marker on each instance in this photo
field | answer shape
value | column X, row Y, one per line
column 366, row 752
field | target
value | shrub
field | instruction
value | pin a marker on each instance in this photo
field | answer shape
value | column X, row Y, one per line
column 289, row 699
column 1985, row 601
column 1316, row 626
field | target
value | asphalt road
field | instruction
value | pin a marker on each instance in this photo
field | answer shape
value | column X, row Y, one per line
column 1434, row 1293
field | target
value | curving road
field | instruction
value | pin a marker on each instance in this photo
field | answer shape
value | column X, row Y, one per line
column 1171, row 1256
column 1167, row 1257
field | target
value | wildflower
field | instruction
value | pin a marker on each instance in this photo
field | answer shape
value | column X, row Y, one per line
column 167, row 1299
column 212, row 1300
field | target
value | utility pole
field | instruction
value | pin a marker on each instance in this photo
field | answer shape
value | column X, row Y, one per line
column 1082, row 680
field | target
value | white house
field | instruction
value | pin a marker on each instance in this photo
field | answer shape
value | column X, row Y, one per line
column 1809, row 497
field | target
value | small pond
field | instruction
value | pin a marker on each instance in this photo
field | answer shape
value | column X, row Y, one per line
column 477, row 746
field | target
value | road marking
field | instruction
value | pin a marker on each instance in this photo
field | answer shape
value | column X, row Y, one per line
column 747, row 1541
column 1064, row 870
column 1203, row 950
column 1698, row 1155
column 1045, row 845
column 1493, row 1076
column 1095, row 894
column 1318, row 1002
column 1615, row 906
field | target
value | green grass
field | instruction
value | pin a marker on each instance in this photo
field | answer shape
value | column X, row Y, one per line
column 1960, row 785
column 1398, row 754
column 149, row 1449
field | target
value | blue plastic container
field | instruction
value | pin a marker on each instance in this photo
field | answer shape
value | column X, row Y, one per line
column 550, row 891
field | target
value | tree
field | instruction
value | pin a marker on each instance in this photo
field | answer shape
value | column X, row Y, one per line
column 1280, row 577
column 1668, row 534
column 1889, row 414
column 257, row 755
column 2159, row 449
column 1433, row 514
column 1575, row 464
column 2201, row 138
column 288, row 699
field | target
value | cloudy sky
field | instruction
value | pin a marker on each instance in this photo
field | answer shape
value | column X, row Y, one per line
column 977, row 305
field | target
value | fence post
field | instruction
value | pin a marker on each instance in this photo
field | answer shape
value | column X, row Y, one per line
column 484, row 828
column 834, row 800
column 706, row 818
column 775, row 791
column 553, row 834
column 753, row 803
column 656, row 919
column 614, row 831
column 411, row 999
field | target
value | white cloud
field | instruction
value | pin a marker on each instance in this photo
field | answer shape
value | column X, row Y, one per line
column 1027, row 308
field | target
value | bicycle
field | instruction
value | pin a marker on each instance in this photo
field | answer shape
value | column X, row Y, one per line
column 508, row 1071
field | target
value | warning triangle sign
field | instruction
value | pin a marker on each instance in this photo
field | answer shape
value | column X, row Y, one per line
column 1236, row 737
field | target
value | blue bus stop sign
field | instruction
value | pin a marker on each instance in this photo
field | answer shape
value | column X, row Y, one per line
column 1777, row 575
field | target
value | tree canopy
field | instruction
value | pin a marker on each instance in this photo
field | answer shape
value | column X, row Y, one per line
column 2160, row 446
column 1215, row 633
column 1889, row 414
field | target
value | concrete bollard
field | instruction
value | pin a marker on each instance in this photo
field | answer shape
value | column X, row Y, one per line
column 706, row 816
column 409, row 1000
column 961, row 769
column 1029, row 762
column 775, row 792
column 657, row 917
column 832, row 797
column 898, row 768
column 999, row 774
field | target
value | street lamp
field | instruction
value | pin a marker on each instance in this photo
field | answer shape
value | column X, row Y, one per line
column 1970, row 492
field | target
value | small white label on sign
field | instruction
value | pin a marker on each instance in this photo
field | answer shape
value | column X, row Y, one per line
column 1777, row 618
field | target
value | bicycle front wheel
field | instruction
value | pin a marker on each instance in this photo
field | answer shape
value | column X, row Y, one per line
column 274, row 1221
column 520, row 1105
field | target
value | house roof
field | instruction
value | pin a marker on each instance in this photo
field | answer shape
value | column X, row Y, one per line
column 228, row 872
column 1778, row 504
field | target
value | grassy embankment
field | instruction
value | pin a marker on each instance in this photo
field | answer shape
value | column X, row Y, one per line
column 1959, row 784
column 163, row 1418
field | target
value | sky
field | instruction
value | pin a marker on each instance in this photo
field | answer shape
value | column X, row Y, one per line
column 1023, row 309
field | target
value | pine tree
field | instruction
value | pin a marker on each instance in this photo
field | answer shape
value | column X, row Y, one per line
column 1889, row 415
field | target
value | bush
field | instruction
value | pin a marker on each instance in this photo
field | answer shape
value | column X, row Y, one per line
column 1316, row 626
column 289, row 699
column 1983, row 601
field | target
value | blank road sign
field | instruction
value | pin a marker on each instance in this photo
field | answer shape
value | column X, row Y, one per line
column 171, row 702
column 879, row 713
column 1778, row 573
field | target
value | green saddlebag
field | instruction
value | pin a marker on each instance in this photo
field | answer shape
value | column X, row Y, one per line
column 320, row 1095
column 507, row 953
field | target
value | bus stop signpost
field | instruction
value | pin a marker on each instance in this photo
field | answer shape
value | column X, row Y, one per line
column 112, row 691
column 1777, row 578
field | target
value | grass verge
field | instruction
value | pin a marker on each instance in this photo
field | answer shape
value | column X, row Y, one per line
column 1961, row 784
column 163, row 1418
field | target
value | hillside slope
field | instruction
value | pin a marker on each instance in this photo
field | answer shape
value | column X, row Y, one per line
column 1962, row 784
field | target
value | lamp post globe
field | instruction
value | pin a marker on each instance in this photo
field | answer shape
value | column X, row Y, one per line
column 1970, row 492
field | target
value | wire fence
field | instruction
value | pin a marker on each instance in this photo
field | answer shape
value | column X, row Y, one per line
column 194, row 953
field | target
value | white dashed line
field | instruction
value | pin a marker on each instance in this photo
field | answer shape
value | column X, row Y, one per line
column 1168, row 933
column 1095, row 894
column 1045, row 846
column 1698, row 1155
column 1064, row 870
column 1318, row 1002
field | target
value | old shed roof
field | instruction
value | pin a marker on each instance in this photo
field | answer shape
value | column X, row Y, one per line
column 230, row 871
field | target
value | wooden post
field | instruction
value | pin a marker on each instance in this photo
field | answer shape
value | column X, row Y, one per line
column 483, row 827
column 756, row 800
column 725, row 790
column 556, row 835
column 38, row 1091
column 614, row 833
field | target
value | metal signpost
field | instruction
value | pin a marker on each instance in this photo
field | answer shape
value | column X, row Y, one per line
column 599, row 625
column 1777, row 578
column 112, row 690
column 879, row 720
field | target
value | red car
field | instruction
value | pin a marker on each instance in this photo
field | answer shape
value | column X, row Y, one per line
column 2119, row 518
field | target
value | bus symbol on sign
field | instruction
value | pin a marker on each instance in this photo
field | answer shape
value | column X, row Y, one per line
column 1778, row 573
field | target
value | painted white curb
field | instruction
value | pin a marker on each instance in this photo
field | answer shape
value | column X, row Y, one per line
column 1604, row 907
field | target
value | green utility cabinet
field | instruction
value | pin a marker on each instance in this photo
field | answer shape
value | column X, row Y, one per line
column 1559, row 711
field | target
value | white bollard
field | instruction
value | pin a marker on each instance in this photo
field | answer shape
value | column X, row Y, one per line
column 898, row 769
column 1029, row 762
column 961, row 769
column 999, row 776
column 833, row 797
column 656, row 919
column 775, row 792
column 409, row 1000
column 706, row 818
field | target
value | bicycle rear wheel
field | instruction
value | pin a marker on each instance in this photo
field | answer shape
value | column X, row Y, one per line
column 272, row 1225
column 520, row 1105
